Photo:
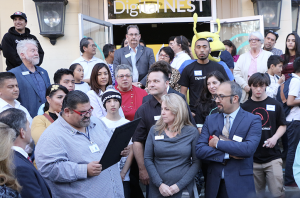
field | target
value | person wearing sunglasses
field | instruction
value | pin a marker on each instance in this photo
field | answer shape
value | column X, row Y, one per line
column 69, row 151
column 270, row 41
column 55, row 95
column 251, row 62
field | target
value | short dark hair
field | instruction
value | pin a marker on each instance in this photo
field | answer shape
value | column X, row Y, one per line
column 259, row 79
column 59, row 73
column 122, row 43
column 73, row 98
column 190, row 42
column 5, row 76
column 169, row 51
column 84, row 43
column 14, row 118
column 51, row 90
column 275, row 60
column 142, row 41
column 73, row 67
column 132, row 26
column 203, row 39
column 272, row 32
column 108, row 48
column 171, row 38
column 160, row 66
column 296, row 65
column 94, row 77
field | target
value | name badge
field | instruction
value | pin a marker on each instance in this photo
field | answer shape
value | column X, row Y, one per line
column 159, row 137
column 94, row 148
column 25, row 73
column 156, row 117
column 127, row 55
column 237, row 138
column 198, row 73
column 270, row 107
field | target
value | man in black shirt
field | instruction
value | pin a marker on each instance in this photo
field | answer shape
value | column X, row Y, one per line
column 150, row 112
column 267, row 162
column 193, row 75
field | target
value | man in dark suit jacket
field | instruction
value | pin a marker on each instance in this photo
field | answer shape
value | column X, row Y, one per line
column 140, row 58
column 33, row 81
column 230, row 173
column 33, row 184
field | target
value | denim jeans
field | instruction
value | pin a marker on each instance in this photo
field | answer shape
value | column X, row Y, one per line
column 293, row 133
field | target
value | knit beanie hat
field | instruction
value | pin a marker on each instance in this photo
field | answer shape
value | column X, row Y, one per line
column 110, row 93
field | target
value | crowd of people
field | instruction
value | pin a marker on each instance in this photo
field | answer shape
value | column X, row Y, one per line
column 232, row 122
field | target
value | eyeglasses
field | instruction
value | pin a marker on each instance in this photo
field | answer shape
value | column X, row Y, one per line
column 220, row 97
column 131, row 35
column 85, row 112
column 254, row 40
column 164, row 56
column 122, row 76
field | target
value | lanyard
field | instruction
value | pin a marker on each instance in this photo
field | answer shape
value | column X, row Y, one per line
column 88, row 135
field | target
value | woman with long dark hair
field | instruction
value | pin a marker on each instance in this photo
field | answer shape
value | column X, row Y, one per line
column 100, row 79
column 292, row 51
column 181, row 50
column 230, row 47
column 206, row 105
column 55, row 95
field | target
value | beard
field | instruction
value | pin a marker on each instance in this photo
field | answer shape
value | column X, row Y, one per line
column 33, row 60
column 203, row 58
column 84, row 122
column 220, row 110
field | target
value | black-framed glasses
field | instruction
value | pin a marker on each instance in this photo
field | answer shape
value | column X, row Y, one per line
column 220, row 97
column 85, row 112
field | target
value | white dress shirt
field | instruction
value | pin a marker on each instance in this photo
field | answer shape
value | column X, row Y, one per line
column 180, row 57
column 135, row 72
column 20, row 150
column 272, row 89
column 87, row 65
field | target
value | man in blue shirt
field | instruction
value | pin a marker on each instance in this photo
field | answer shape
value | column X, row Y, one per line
column 33, row 81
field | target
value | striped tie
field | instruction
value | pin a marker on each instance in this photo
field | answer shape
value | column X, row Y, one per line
column 225, row 130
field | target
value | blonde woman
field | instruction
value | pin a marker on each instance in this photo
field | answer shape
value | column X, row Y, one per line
column 170, row 157
column 9, row 186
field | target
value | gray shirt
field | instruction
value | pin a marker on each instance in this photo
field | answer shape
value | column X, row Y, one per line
column 172, row 160
column 62, row 155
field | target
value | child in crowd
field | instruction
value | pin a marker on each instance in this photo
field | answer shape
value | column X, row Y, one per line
column 78, row 72
column 112, row 101
column 293, row 123
column 274, row 64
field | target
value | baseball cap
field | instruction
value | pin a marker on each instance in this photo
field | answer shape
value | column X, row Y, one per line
column 20, row 14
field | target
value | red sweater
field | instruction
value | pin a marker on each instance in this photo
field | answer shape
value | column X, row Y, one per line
column 288, row 69
column 131, row 101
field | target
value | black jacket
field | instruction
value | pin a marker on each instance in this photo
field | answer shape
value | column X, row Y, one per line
column 9, row 47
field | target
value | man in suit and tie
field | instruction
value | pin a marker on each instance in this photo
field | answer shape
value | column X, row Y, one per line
column 33, row 81
column 33, row 184
column 140, row 58
column 229, row 140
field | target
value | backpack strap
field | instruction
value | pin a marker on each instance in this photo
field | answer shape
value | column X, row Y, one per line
column 283, row 98
column 48, row 117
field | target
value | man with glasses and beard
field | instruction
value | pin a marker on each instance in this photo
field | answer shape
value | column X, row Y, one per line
column 32, row 80
column 69, row 151
column 230, row 172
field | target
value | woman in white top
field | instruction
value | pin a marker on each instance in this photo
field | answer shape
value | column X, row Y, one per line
column 251, row 62
column 181, row 50
column 100, row 79
column 112, row 101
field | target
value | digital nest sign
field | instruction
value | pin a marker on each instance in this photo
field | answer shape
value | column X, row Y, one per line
column 130, row 9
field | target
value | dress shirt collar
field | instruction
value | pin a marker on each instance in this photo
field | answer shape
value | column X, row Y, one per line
column 3, row 103
column 168, row 88
column 20, row 150
column 153, row 102
column 69, row 128
column 132, row 48
column 233, row 114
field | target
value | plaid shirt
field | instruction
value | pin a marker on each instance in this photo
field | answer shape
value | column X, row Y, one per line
column 62, row 155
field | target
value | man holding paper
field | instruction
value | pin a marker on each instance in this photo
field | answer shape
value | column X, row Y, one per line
column 230, row 173
column 69, row 150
